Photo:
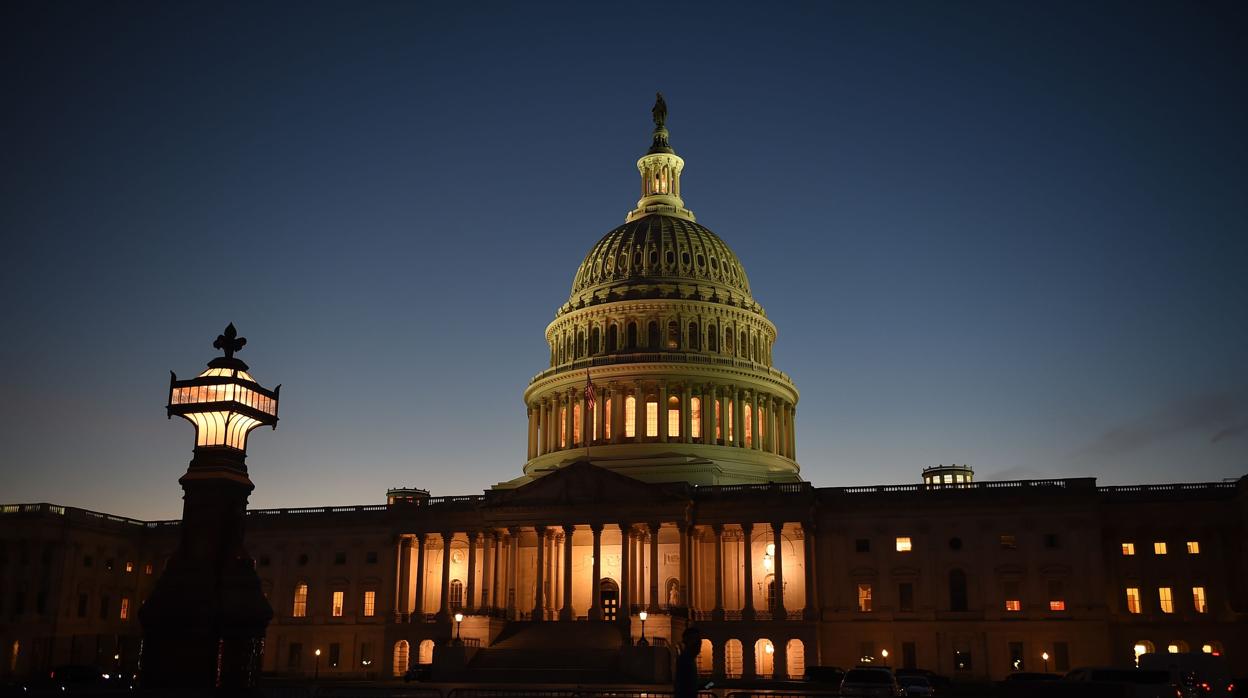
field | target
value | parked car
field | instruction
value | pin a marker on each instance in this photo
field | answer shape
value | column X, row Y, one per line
column 1198, row 673
column 914, row 685
column 870, row 682
column 940, row 684
column 1132, row 682
column 831, row 675
column 1031, row 677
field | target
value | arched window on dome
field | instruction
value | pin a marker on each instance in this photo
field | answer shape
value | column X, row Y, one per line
column 552, row 355
column 673, row 416
column 595, row 340
column 695, row 340
column 560, row 352
column 631, row 336
column 580, row 344
column 695, row 417
column 652, row 335
column 613, row 337
column 673, row 335
column 652, row 417
column 727, row 340
column 712, row 338
column 749, row 427
column 744, row 347
column 630, row 417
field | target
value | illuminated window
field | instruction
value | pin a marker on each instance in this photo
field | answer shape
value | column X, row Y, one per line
column 903, row 544
column 1133, row 599
column 864, row 598
column 695, row 417
column 673, row 416
column 1009, row 542
column 1159, row 548
column 762, row 426
column 652, row 419
column 1166, row 599
column 370, row 603
column 457, row 594
column 1128, row 548
column 1172, row 648
column 337, row 604
column 748, row 427
column 1057, row 596
column 606, row 419
column 718, row 432
column 1193, row 547
column 731, row 407
column 576, row 423
column 1013, row 600
column 1198, row 600
column 300, row 608
column 630, row 417
column 125, row 608
column 563, row 427
column 130, row 565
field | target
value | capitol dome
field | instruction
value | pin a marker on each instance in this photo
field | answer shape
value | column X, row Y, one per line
column 661, row 359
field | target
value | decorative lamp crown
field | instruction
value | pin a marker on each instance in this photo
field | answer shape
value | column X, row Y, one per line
column 224, row 402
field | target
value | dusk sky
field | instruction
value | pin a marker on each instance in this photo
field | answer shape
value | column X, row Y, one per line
column 1011, row 235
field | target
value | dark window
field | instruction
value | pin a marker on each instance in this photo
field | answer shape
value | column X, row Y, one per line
column 631, row 335
column 955, row 543
column 957, row 590
column 41, row 602
column 652, row 335
column 86, row 561
column 595, row 340
column 82, row 605
column 695, row 341
column 366, row 653
column 613, row 338
column 862, row 545
column 295, row 656
column 905, row 597
column 1016, row 656
column 1061, row 656
column 673, row 335
column 264, row 560
column 908, row 658
column 1009, row 542
column 108, row 564
column 303, row 559
column 1051, row 540
column 19, row 603
column 712, row 339
column 103, row 608
column 962, row 659
column 340, row 558
column 335, row 653
column 370, row 557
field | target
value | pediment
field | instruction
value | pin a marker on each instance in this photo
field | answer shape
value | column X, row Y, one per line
column 582, row 483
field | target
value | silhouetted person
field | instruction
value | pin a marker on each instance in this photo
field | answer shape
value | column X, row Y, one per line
column 687, row 664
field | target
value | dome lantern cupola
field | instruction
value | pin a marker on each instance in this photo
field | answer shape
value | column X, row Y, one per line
column 660, row 170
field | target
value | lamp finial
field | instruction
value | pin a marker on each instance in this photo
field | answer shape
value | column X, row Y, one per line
column 229, row 341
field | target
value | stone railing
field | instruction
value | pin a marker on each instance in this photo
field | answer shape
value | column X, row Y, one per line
column 662, row 357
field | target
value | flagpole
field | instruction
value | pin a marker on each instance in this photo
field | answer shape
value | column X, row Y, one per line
column 592, row 398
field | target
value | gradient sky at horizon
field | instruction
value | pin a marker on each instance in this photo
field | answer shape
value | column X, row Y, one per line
column 1010, row 235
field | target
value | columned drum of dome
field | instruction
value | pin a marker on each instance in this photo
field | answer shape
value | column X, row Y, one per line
column 662, row 322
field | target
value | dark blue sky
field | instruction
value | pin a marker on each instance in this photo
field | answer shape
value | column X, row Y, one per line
column 1002, row 234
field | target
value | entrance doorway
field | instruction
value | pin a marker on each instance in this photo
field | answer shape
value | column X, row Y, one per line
column 609, row 598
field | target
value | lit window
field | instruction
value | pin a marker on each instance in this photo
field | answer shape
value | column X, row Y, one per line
column 1013, row 605
column 1013, row 599
column 1133, row 599
column 748, row 421
column 300, row 608
column 576, row 424
column 130, row 565
column 1057, row 596
column 1166, row 599
column 695, row 418
column 563, row 427
column 370, row 603
column 125, row 608
column 1172, row 649
column 1198, row 600
column 673, row 416
column 1207, row 649
column 652, row 419
column 630, row 417
column 718, row 432
column 1193, row 547
column 1128, row 548
column 1009, row 542
column 864, row 598
column 337, row 605
column 147, row 569
column 1159, row 548
column 903, row 544
column 606, row 419
column 1057, row 605
column 731, row 407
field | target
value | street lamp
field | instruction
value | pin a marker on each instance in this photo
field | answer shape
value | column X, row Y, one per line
column 643, row 616
column 1045, row 657
column 1139, row 649
column 317, row 673
column 884, row 655
column 459, row 619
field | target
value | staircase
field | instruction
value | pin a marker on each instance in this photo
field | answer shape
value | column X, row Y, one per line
column 551, row 652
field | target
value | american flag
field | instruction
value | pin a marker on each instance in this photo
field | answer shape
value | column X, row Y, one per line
column 589, row 391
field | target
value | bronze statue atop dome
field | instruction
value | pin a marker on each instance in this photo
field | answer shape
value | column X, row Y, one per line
column 660, row 110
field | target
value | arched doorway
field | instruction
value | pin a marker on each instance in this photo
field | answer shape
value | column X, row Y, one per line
column 733, row 659
column 705, row 658
column 795, row 659
column 400, row 657
column 425, row 652
column 764, row 663
column 609, row 598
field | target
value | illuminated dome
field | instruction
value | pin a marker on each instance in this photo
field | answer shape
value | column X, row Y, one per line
column 661, row 360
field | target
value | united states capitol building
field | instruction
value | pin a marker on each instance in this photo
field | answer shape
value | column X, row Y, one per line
column 662, row 488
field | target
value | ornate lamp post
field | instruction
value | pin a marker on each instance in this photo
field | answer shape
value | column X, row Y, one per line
column 459, row 619
column 203, row 626
column 1045, row 657
column 316, row 673
column 643, row 616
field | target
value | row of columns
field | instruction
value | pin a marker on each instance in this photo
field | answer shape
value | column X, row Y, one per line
column 553, row 425
column 577, row 344
column 500, row 551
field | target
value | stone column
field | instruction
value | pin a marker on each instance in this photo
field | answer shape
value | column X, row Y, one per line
column 779, row 661
column 529, row 452
column 686, row 413
column 444, row 609
column 470, row 603
column 708, row 414
column 718, row 613
column 793, row 432
column 639, row 416
column 755, row 441
column 626, row 587
column 721, row 422
column 585, row 420
column 595, row 606
column 569, row 441
column 654, row 567
column 663, row 416
column 513, row 554
column 539, row 574
column 495, row 564
column 567, row 613
column 686, row 566
column 748, row 668
column 738, row 419
column 772, row 441
column 405, row 574
column 551, row 588
column 600, row 401
column 617, row 413
column 418, row 608
column 747, row 531
column 777, row 538
column 811, row 611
